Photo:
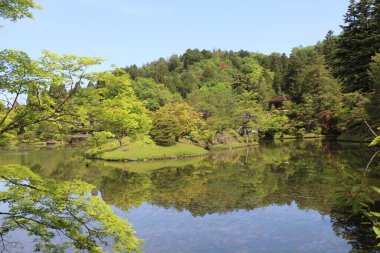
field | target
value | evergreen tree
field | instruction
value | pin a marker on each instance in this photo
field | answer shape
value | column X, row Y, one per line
column 358, row 42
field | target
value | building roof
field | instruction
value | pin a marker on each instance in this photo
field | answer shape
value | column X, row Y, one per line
column 279, row 99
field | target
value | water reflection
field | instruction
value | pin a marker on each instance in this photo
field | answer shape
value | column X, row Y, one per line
column 270, row 198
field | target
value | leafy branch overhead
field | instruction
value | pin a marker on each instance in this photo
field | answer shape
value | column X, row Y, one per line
column 36, row 91
column 48, row 209
column 17, row 9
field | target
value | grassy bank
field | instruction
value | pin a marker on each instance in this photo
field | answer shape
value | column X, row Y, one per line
column 137, row 151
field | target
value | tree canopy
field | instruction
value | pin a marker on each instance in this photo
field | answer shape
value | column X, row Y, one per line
column 17, row 9
column 48, row 209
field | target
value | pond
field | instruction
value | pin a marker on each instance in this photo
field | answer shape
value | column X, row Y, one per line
column 275, row 197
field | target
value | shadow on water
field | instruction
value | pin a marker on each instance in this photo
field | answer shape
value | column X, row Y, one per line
column 300, row 175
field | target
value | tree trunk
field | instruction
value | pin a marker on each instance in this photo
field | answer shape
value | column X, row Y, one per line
column 120, row 139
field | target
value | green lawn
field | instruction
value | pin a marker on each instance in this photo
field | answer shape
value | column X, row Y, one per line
column 143, row 151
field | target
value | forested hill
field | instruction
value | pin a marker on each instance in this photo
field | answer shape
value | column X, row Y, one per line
column 203, row 97
column 216, row 82
column 194, row 69
column 332, row 87
column 267, row 75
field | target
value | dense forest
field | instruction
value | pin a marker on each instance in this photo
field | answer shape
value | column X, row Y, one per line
column 203, row 97
column 177, row 106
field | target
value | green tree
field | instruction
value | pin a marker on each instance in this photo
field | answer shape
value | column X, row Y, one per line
column 191, row 56
column 48, row 209
column 17, row 9
column 48, row 84
column 174, row 121
column 257, row 79
column 300, row 58
column 118, row 110
column 155, row 94
column 352, row 111
column 355, row 46
column 217, row 104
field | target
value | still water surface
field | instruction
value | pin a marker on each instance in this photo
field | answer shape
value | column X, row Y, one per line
column 269, row 198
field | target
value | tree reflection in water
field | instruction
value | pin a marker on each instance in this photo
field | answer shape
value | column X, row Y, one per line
column 306, row 172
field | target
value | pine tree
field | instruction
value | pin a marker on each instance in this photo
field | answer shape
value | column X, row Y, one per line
column 358, row 42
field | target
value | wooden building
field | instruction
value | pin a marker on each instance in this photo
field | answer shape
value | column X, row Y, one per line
column 278, row 101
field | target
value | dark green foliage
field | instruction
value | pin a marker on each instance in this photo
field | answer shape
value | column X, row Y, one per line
column 165, row 130
column 300, row 58
column 191, row 56
column 350, row 53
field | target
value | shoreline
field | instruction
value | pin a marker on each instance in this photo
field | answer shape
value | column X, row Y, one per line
column 178, row 157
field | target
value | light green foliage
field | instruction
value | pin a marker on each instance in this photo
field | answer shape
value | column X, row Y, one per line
column 118, row 110
column 259, row 79
column 49, row 83
column 375, row 142
column 100, row 138
column 173, row 121
column 352, row 110
column 6, row 139
column 147, row 150
column 155, row 94
column 273, row 123
column 17, row 9
column 217, row 104
column 251, row 116
column 47, row 209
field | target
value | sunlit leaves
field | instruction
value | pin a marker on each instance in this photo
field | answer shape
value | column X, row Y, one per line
column 118, row 110
column 17, row 9
column 40, row 90
column 47, row 209
column 173, row 121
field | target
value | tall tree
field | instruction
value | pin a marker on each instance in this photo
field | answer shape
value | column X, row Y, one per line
column 358, row 42
column 117, row 109
column 40, row 90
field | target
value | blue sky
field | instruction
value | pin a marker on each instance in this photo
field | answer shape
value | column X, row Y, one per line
column 139, row 31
